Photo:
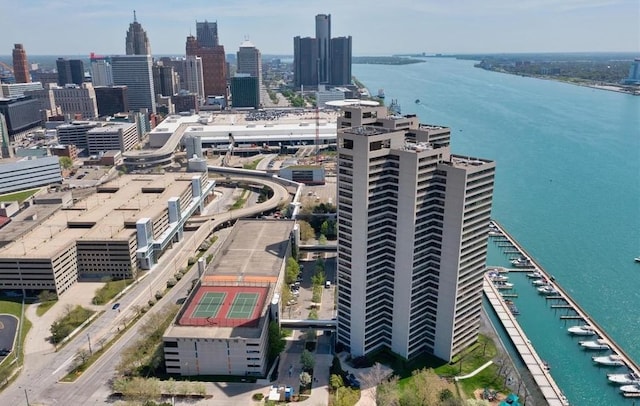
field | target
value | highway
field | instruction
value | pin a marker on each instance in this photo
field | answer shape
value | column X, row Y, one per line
column 38, row 381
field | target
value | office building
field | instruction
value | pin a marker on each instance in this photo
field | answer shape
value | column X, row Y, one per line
column 340, row 61
column 111, row 100
column 112, row 137
column 207, row 34
column 178, row 65
column 20, row 64
column 11, row 90
column 193, row 79
column 250, row 270
column 48, row 106
column 134, row 71
column 413, row 223
column 136, row 42
column 21, row 113
column 185, row 101
column 44, row 77
column 305, row 61
column 214, row 65
column 70, row 71
column 249, row 60
column 124, row 227
column 323, row 38
column 29, row 173
column 77, row 101
column 75, row 133
column 101, row 74
column 165, row 80
column 245, row 91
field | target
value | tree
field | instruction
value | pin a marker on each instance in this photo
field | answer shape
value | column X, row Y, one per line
column 335, row 381
column 276, row 342
column 81, row 358
column 423, row 389
column 46, row 296
column 387, row 392
column 66, row 162
column 292, row 270
column 305, row 379
column 322, row 240
column 306, row 231
column 307, row 361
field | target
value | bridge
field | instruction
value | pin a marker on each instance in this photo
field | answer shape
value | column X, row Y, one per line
column 309, row 323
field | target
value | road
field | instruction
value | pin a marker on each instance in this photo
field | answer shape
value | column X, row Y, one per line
column 41, row 371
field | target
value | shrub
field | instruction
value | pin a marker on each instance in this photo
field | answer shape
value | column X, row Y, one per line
column 257, row 396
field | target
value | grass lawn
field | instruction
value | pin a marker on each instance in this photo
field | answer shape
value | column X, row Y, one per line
column 253, row 164
column 110, row 290
column 44, row 307
column 470, row 360
column 19, row 196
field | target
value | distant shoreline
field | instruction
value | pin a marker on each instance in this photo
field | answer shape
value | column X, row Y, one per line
column 607, row 87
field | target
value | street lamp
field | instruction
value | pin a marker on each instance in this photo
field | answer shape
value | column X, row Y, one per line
column 89, row 339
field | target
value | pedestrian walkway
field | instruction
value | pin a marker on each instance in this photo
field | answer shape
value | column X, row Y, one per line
column 474, row 373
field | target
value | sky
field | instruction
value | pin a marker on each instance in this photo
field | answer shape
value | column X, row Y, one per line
column 78, row 27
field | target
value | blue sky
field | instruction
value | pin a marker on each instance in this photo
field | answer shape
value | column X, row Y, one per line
column 74, row 27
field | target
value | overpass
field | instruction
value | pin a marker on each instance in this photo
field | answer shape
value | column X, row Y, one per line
column 309, row 323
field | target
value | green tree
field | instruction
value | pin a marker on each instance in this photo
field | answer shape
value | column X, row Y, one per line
column 292, row 270
column 66, row 162
column 318, row 279
column 307, row 360
column 46, row 296
column 335, row 381
column 322, row 240
column 276, row 341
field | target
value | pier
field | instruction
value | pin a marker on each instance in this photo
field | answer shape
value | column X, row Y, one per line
column 581, row 314
column 536, row 366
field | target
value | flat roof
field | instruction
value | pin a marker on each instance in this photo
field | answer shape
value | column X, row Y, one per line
column 101, row 216
column 351, row 102
column 253, row 251
column 249, row 264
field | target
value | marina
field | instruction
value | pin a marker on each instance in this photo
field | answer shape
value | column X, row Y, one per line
column 596, row 338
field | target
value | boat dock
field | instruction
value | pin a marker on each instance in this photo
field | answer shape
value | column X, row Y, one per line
column 536, row 366
column 499, row 232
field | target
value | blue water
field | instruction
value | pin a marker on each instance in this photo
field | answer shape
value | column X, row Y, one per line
column 567, row 188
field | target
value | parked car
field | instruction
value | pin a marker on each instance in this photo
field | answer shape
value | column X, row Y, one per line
column 115, row 306
column 353, row 381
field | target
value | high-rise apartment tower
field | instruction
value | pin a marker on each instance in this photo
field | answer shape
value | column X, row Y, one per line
column 412, row 236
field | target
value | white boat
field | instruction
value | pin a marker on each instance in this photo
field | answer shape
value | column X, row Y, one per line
column 623, row 379
column 633, row 388
column 609, row 360
column 547, row 290
column 583, row 330
column 496, row 277
column 598, row 344
column 637, row 259
column 539, row 282
column 535, row 275
column 503, row 285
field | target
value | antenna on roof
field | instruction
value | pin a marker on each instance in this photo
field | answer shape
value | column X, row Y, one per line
column 134, row 17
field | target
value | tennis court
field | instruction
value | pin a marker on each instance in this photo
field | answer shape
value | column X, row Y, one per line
column 209, row 305
column 243, row 306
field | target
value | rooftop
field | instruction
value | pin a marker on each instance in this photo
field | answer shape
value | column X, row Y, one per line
column 109, row 214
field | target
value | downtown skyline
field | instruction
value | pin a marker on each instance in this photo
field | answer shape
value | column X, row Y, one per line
column 495, row 26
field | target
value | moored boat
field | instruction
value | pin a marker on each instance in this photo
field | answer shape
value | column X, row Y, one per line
column 623, row 379
column 633, row 388
column 598, row 344
column 547, row 290
column 539, row 282
column 497, row 277
column 503, row 285
column 612, row 360
column 584, row 330
column 535, row 275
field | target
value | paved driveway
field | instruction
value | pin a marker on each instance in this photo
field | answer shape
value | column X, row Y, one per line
column 8, row 330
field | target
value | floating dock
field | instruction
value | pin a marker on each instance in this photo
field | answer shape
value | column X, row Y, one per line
column 536, row 366
column 499, row 231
